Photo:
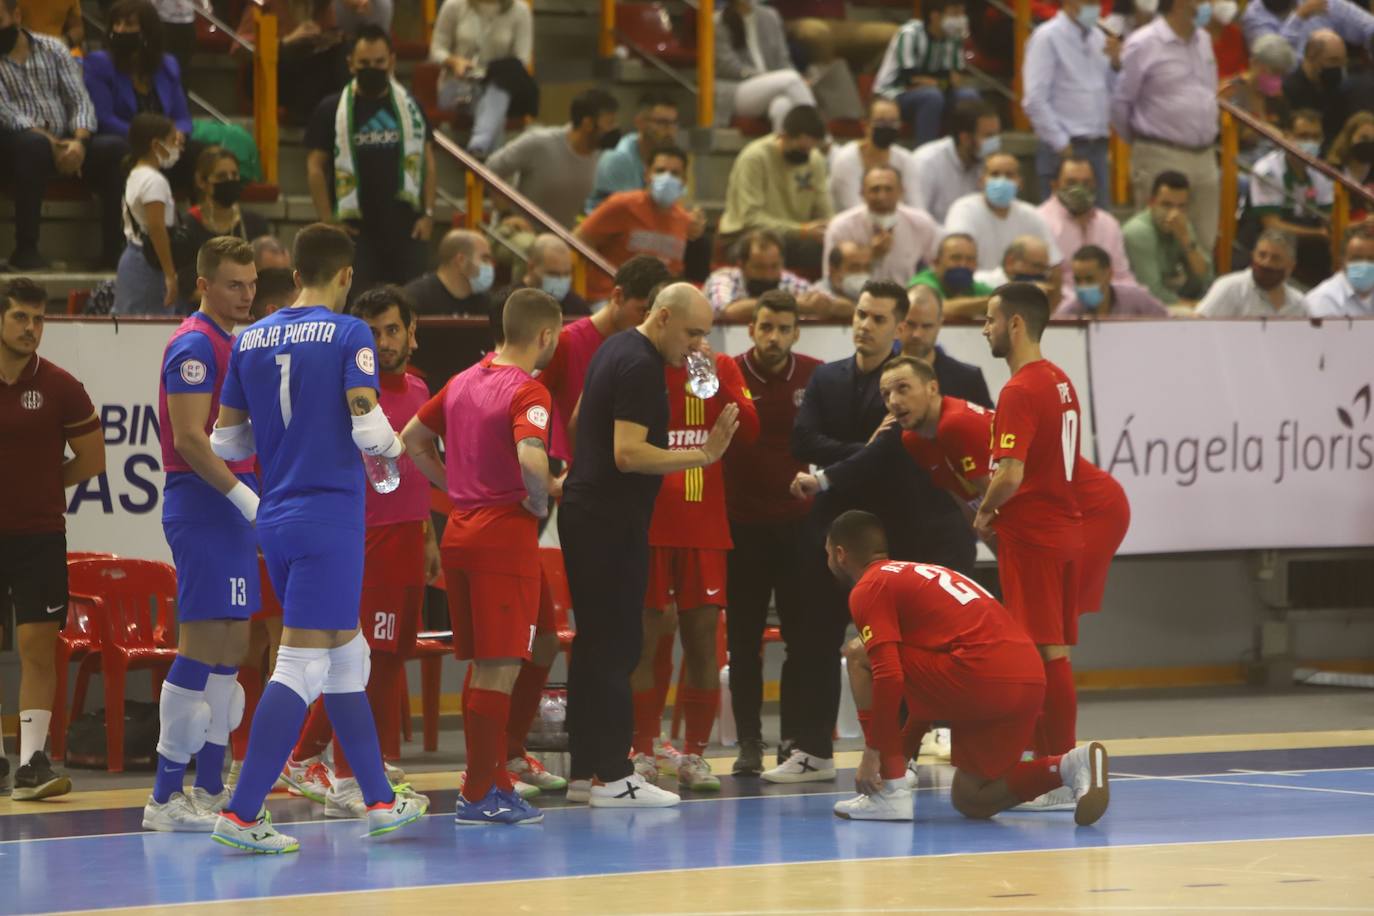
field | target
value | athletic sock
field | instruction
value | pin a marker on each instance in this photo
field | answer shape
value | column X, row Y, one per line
column 699, row 715
column 33, row 732
column 220, row 692
column 384, row 696
column 187, row 679
column 488, row 712
column 648, row 720
column 316, row 734
column 250, row 679
column 277, row 722
column 342, row 768
column 1033, row 778
column 524, row 706
column 357, row 734
column 1058, row 726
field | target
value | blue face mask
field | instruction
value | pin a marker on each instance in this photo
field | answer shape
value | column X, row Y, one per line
column 1090, row 297
column 1361, row 275
column 482, row 282
column 558, row 287
column 1088, row 14
column 1203, row 15
column 989, row 146
column 1000, row 192
column 957, row 279
column 665, row 188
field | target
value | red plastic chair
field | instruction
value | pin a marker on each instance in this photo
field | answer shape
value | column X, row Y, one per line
column 124, row 594
column 649, row 27
column 431, row 653
column 79, row 638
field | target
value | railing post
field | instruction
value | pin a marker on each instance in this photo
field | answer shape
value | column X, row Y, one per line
column 1020, row 30
column 475, row 201
column 1120, row 169
column 706, row 64
column 265, row 95
column 1340, row 221
column 1230, row 149
column 605, row 42
column 428, row 15
column 579, row 275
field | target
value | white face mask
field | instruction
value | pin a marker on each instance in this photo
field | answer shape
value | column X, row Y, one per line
column 170, row 158
column 1147, row 7
column 1224, row 11
column 853, row 285
column 883, row 221
column 955, row 27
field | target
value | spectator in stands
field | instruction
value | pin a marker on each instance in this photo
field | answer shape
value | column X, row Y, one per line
column 1259, row 90
column 555, row 167
column 1320, row 82
column 1074, row 221
column 1297, row 20
column 1349, row 293
column 734, row 291
column 1228, row 43
column 312, row 59
column 461, row 283
column 901, row 238
column 995, row 217
column 923, row 68
column 953, row 166
column 917, row 335
column 1288, row 196
column 851, row 162
column 47, row 123
column 179, row 23
column 1096, row 296
column 1162, row 246
column 380, row 182
column 650, row 222
column 352, row 15
column 1165, row 104
column 848, row 267
column 134, row 75
column 751, row 51
column 1025, row 260
column 1136, row 15
column 825, row 30
column 1262, row 290
column 1353, row 151
column 549, row 266
column 486, row 49
column 952, row 277
column 1068, row 72
column 277, row 289
column 60, row 19
column 146, row 280
column 778, row 182
column 216, row 211
column 623, row 168
column 269, row 252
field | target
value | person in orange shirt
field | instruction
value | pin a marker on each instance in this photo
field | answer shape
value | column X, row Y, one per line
column 650, row 222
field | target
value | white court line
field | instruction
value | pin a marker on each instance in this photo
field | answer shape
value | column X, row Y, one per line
column 1012, row 908
column 1250, row 785
column 1129, row 776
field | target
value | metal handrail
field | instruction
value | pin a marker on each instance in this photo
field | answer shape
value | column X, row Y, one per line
column 1330, row 171
column 224, row 27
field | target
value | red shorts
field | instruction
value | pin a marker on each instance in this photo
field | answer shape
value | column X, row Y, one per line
column 546, row 622
column 688, row 577
column 271, row 607
column 395, row 556
column 493, row 601
column 1040, row 591
column 1103, row 532
column 990, row 721
column 390, row 617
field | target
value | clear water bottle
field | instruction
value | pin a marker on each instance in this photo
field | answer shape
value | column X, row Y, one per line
column 382, row 473
column 701, row 375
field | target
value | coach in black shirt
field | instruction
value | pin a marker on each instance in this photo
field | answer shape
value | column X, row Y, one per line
column 620, row 457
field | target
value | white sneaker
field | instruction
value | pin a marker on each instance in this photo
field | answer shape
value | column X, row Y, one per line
column 646, row 768
column 255, row 836
column 529, row 770
column 579, row 791
column 207, row 803
column 666, row 756
column 1085, row 770
column 307, row 778
column 911, row 777
column 394, row 774
column 894, row 803
column 631, row 792
column 693, row 772
column 802, row 767
column 178, row 814
column 935, row 743
column 522, row 788
column 344, row 798
column 1060, row 799
column 406, row 808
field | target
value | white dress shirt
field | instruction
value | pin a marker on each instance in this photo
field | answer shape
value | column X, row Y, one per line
column 1336, row 298
column 915, row 240
column 994, row 233
column 1068, row 81
column 847, row 176
column 944, row 178
column 1236, row 295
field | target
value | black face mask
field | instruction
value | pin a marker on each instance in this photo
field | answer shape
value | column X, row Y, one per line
column 884, row 135
column 126, row 44
column 609, row 139
column 1028, row 278
column 1363, row 151
column 1278, row 7
column 227, row 193
column 9, row 37
column 372, row 80
column 756, row 286
column 796, row 156
column 1331, row 78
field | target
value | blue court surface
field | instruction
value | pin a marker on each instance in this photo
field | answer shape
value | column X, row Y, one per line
column 88, row 860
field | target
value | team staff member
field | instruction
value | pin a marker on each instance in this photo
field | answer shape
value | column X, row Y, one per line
column 43, row 410
column 764, row 521
column 934, row 637
column 608, row 501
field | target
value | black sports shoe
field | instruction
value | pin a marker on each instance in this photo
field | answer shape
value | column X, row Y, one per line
column 750, row 759
column 4, row 776
column 37, row 779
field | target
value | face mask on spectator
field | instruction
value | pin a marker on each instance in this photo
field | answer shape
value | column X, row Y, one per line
column 124, row 44
column 1203, row 15
column 796, row 156
column 883, row 221
column 1310, row 147
column 1278, row 7
column 1000, row 191
column 757, row 286
column 1269, row 85
column 9, row 37
column 853, row 284
column 957, row 279
column 1077, row 198
column 227, row 193
column 955, row 27
column 1028, row 278
column 884, row 135
column 170, row 156
column 372, row 80
column 665, row 188
column 989, row 146
column 558, row 287
column 1332, row 77
column 1088, row 14
column 482, row 282
column 1147, row 7
column 1362, row 151
column 1224, row 11
column 1361, row 275
column 1090, row 297
column 1266, row 278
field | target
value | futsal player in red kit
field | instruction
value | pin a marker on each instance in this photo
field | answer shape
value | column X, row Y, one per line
column 936, row 639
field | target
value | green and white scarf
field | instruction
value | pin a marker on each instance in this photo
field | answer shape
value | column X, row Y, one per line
column 411, row 163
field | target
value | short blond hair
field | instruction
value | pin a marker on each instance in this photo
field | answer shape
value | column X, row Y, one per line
column 219, row 249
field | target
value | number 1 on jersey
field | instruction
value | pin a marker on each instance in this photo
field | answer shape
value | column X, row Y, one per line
column 284, row 393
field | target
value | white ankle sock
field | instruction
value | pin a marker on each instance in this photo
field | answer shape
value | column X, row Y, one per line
column 33, row 732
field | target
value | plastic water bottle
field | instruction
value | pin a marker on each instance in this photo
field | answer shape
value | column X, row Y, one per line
column 701, row 375
column 382, row 473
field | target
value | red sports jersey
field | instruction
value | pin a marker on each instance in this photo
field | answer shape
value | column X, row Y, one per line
column 1037, row 423
column 690, row 511
column 758, row 474
column 564, row 375
column 958, row 455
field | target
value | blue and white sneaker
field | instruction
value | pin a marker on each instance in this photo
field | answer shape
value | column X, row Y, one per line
column 497, row 807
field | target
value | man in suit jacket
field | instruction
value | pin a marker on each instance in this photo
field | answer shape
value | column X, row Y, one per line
column 916, row 336
column 841, row 412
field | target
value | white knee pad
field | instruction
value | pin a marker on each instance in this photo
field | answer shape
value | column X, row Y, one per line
column 349, row 666
column 184, row 722
column 303, row 670
column 224, row 694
